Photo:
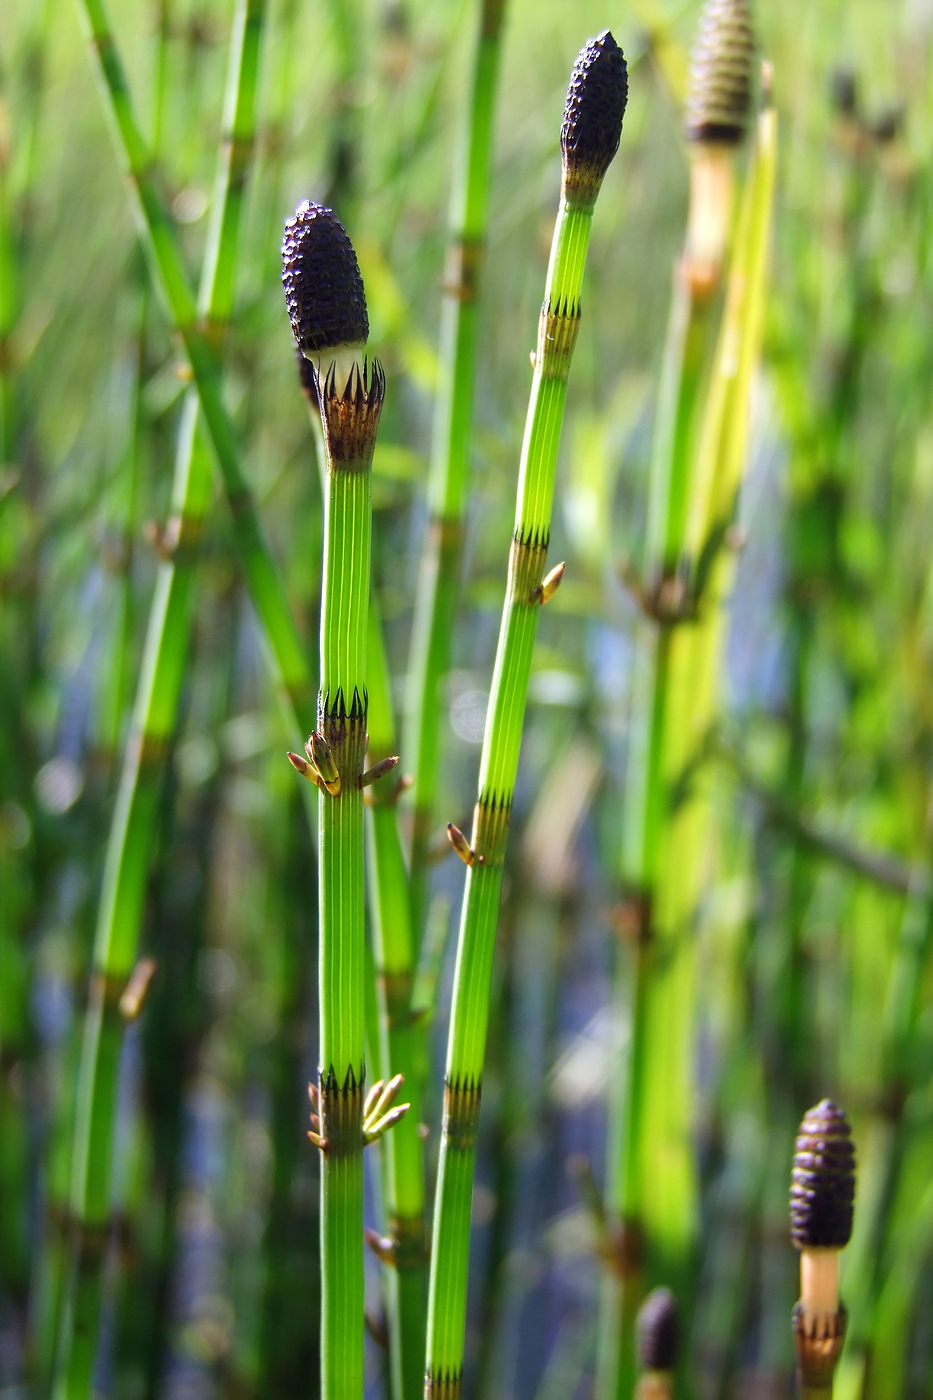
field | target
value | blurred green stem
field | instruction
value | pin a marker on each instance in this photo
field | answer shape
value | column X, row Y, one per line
column 667, row 815
column 153, row 722
column 451, row 458
column 406, row 1246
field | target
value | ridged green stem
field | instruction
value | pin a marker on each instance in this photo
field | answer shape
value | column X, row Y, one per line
column 154, row 716
column 498, row 767
column 651, row 1193
column 451, row 457
column 406, row 1274
column 342, row 715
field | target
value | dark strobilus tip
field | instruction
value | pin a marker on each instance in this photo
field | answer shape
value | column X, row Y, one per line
column 323, row 286
column 719, row 95
column 593, row 113
column 822, row 1192
column 843, row 92
column 657, row 1328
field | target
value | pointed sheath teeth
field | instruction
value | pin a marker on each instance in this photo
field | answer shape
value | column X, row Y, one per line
column 822, row 1192
column 657, row 1328
column 323, row 286
column 592, row 126
column 350, row 412
column 719, row 91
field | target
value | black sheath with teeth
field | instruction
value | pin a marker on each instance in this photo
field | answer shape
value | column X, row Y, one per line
column 323, row 286
column 822, row 1192
column 719, row 93
column 658, row 1331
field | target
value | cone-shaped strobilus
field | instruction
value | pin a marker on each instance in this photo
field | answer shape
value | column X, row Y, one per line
column 327, row 308
column 822, row 1197
column 589, row 139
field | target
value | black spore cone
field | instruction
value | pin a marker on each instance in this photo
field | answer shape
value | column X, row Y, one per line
column 596, row 100
column 719, row 94
column 658, row 1331
column 323, row 287
column 822, row 1191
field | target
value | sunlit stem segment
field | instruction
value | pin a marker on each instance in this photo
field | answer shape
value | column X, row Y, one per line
column 467, row 1040
column 676, row 701
column 350, row 415
column 452, row 450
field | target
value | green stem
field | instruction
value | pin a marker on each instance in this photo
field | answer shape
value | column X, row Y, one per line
column 651, row 1189
column 342, row 717
column 498, row 767
column 451, row 458
column 133, row 827
column 406, row 1278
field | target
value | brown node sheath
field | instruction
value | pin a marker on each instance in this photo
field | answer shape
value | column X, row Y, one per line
column 345, row 732
column 491, row 817
column 442, row 1385
column 557, row 337
column 396, row 989
column 461, row 1112
column 340, row 1108
column 527, row 556
column 350, row 415
column 409, row 1248
column 461, row 275
column 818, row 1352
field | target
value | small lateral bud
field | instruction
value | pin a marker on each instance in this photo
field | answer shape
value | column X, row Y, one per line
column 550, row 583
column 593, row 113
column 302, row 766
column 137, row 988
column 719, row 92
column 381, row 1245
column 460, row 844
column 822, row 1192
column 323, row 287
column 657, row 1329
column 318, row 750
column 378, row 770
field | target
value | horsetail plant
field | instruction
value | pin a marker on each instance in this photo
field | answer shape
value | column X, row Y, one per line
column 649, row 1114
column 327, row 309
column 590, row 135
column 449, row 480
column 113, row 1000
column 822, row 1197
